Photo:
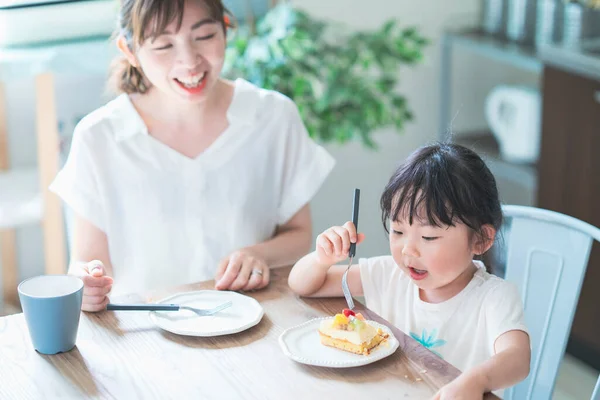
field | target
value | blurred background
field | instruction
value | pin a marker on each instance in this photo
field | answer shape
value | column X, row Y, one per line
column 517, row 80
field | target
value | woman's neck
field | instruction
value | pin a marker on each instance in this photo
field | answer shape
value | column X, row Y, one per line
column 186, row 128
column 158, row 109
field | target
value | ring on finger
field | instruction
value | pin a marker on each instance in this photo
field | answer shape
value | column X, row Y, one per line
column 256, row 272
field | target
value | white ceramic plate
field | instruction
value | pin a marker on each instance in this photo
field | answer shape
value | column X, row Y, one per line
column 244, row 313
column 303, row 344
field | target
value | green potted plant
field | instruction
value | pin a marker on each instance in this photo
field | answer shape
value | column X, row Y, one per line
column 344, row 84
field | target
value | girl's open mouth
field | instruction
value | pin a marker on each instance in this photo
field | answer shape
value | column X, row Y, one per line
column 417, row 274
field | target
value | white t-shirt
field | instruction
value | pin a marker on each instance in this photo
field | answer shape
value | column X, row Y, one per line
column 463, row 329
column 170, row 219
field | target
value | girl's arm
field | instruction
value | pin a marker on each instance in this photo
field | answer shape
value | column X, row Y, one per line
column 509, row 366
column 315, row 275
column 313, row 279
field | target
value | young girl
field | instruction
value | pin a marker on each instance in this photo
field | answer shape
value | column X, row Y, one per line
column 185, row 176
column 443, row 209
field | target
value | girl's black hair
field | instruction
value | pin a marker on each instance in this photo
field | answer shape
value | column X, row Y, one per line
column 447, row 183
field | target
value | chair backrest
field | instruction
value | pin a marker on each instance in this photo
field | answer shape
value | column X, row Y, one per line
column 546, row 256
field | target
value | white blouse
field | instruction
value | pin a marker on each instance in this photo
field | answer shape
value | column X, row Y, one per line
column 170, row 219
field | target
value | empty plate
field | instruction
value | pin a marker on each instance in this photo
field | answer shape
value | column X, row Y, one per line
column 244, row 313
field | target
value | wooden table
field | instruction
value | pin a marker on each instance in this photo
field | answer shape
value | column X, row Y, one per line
column 123, row 355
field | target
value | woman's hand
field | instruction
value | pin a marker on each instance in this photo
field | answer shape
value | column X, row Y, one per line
column 333, row 245
column 96, row 285
column 242, row 270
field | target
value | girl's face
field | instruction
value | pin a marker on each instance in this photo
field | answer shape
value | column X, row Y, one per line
column 185, row 63
column 434, row 257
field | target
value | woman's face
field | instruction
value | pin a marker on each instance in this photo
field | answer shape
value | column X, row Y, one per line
column 185, row 64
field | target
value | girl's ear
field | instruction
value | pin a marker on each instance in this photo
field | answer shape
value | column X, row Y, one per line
column 485, row 241
column 124, row 48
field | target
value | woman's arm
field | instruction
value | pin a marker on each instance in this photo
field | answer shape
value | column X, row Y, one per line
column 291, row 241
column 90, row 261
column 89, row 243
column 248, row 268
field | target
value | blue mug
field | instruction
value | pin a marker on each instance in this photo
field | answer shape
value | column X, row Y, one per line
column 52, row 306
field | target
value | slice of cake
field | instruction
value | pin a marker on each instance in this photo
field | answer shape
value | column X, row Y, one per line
column 350, row 332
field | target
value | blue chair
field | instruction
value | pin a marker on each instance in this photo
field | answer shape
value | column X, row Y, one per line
column 546, row 256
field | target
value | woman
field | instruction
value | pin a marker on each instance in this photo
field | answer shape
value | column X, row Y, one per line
column 186, row 176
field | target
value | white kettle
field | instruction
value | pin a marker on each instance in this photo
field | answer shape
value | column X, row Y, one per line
column 513, row 114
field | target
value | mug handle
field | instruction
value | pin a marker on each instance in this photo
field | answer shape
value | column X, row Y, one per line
column 493, row 104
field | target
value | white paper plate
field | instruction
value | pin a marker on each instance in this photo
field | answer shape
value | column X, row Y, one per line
column 244, row 313
column 302, row 343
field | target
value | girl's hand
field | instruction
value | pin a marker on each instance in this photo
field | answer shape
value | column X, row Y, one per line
column 96, row 285
column 242, row 270
column 333, row 245
column 465, row 387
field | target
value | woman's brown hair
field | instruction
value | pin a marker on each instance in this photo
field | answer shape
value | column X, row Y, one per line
column 143, row 19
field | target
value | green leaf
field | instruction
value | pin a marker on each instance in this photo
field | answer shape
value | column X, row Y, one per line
column 344, row 83
column 388, row 27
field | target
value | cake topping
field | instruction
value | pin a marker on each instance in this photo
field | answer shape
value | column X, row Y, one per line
column 340, row 320
column 347, row 312
column 349, row 331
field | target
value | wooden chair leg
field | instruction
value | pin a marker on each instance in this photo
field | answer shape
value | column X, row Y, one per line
column 48, row 162
column 8, row 242
column 10, row 275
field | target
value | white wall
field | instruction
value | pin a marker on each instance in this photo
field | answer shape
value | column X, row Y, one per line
column 356, row 166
